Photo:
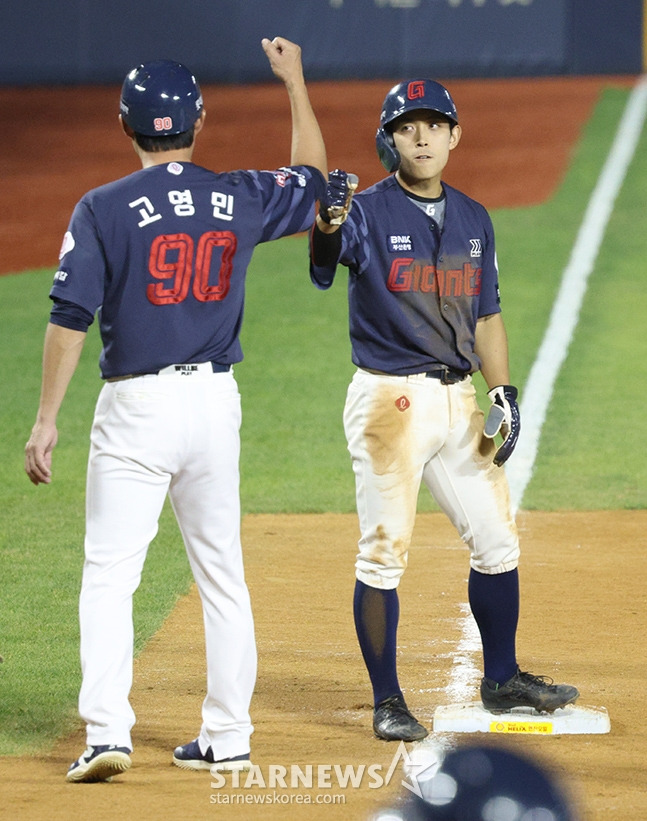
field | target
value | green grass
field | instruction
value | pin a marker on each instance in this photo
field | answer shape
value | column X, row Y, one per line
column 41, row 535
column 293, row 384
column 591, row 454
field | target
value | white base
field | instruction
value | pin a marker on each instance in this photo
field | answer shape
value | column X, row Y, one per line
column 474, row 718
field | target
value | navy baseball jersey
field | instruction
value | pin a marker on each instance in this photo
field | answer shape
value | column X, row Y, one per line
column 415, row 292
column 178, row 295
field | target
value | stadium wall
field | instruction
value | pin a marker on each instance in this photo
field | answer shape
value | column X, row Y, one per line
column 97, row 41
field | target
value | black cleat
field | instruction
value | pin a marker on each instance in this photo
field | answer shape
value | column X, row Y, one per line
column 392, row 721
column 526, row 690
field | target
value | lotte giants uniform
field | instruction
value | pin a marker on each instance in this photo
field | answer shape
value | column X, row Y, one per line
column 153, row 249
column 415, row 294
column 162, row 256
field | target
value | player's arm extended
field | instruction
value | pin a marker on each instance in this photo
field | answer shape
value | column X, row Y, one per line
column 61, row 354
column 325, row 247
column 325, row 237
column 308, row 147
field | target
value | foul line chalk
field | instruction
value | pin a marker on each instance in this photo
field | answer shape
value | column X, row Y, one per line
column 552, row 352
column 566, row 309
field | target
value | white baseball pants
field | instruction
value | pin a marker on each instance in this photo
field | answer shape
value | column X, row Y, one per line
column 153, row 435
column 404, row 430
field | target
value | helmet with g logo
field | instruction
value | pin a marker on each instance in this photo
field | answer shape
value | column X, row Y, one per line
column 409, row 96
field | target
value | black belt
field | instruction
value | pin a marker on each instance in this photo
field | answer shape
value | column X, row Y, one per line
column 447, row 376
column 217, row 367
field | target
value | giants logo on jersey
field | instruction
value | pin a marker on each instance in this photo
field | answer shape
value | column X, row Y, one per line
column 410, row 275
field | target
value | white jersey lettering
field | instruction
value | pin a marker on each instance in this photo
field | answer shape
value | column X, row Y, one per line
column 223, row 205
column 147, row 212
column 182, row 202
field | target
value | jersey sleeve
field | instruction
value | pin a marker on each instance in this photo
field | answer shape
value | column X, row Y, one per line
column 288, row 197
column 81, row 273
column 68, row 315
column 356, row 248
column 489, row 301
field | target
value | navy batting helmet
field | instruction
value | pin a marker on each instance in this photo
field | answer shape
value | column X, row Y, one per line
column 159, row 98
column 409, row 96
column 480, row 782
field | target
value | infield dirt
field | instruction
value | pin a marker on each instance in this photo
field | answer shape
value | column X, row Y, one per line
column 583, row 574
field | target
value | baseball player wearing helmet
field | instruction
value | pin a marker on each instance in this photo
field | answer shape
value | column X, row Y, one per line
column 162, row 255
column 424, row 316
column 486, row 783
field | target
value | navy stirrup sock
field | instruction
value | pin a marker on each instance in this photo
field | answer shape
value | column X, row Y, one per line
column 494, row 600
column 376, row 615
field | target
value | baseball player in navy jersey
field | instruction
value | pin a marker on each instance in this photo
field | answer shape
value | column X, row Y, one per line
column 424, row 316
column 162, row 255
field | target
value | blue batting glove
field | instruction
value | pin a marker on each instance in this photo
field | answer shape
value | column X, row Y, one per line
column 503, row 417
column 336, row 202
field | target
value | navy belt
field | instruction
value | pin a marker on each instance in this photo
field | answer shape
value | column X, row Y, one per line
column 447, row 376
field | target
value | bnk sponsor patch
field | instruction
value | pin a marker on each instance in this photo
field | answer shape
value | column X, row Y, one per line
column 400, row 242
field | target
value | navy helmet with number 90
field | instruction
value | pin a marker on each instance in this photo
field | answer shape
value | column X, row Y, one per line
column 159, row 98
column 409, row 96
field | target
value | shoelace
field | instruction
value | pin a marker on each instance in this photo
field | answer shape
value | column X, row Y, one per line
column 536, row 680
column 397, row 706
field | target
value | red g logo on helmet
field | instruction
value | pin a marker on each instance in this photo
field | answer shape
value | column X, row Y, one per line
column 416, row 90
